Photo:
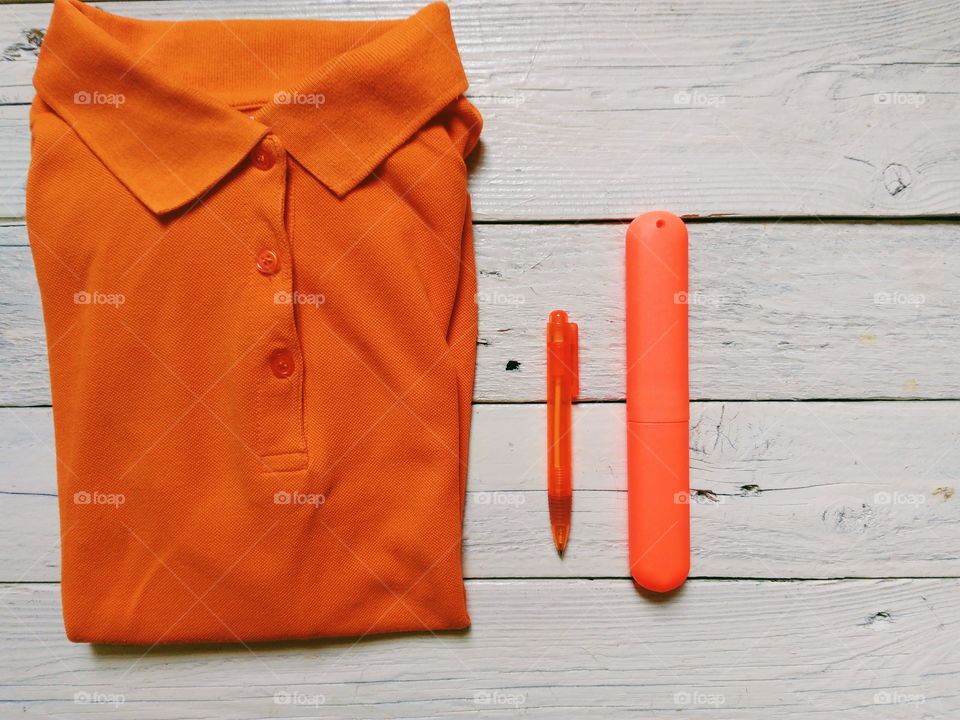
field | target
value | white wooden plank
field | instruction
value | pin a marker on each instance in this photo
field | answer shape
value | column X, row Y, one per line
column 11, row 232
column 785, row 490
column 539, row 649
column 778, row 310
column 606, row 109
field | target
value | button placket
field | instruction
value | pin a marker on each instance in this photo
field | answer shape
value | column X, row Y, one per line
column 280, row 427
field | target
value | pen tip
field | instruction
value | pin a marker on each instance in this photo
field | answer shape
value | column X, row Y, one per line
column 560, row 537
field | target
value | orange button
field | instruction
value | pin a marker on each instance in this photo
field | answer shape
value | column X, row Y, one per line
column 268, row 262
column 281, row 362
column 263, row 156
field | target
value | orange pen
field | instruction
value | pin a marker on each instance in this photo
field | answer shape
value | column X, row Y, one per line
column 658, row 402
column 563, row 385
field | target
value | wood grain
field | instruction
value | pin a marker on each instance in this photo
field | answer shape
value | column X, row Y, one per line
column 778, row 310
column 783, row 490
column 858, row 650
column 607, row 109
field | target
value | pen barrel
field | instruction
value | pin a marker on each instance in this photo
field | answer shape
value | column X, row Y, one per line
column 559, row 439
column 658, row 499
column 562, row 385
column 658, row 401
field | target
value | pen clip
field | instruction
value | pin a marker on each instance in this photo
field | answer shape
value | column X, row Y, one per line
column 574, row 359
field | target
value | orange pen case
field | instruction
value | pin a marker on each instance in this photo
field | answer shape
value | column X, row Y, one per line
column 657, row 401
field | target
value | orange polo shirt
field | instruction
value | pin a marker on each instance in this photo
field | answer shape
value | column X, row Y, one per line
column 254, row 251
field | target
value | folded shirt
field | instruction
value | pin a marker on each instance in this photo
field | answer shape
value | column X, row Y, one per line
column 254, row 251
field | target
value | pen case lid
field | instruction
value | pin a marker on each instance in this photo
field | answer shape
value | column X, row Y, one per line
column 656, row 315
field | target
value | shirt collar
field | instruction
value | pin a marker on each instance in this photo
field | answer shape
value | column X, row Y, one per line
column 169, row 143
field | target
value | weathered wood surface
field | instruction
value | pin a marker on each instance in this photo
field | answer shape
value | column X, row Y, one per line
column 857, row 650
column 786, row 490
column 778, row 310
column 607, row 108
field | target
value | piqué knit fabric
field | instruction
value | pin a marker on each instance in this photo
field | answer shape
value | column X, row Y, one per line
column 254, row 251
